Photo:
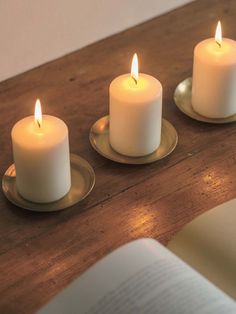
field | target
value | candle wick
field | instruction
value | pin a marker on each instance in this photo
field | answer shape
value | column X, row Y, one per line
column 136, row 82
column 219, row 44
column 39, row 124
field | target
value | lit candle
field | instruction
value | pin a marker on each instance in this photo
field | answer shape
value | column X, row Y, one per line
column 41, row 156
column 135, row 113
column 214, row 77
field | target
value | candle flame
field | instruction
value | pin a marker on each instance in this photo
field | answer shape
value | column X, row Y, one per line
column 38, row 113
column 218, row 34
column 134, row 68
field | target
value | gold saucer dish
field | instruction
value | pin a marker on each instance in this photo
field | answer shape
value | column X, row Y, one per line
column 82, row 183
column 183, row 97
column 99, row 139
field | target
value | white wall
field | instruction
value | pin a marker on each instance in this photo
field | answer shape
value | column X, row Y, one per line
column 33, row 32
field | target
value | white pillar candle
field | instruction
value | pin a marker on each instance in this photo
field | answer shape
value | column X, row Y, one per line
column 214, row 77
column 135, row 113
column 41, row 156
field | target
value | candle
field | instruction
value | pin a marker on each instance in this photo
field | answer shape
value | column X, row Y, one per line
column 41, row 156
column 135, row 113
column 214, row 77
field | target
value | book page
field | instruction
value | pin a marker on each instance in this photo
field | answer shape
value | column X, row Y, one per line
column 141, row 277
column 208, row 245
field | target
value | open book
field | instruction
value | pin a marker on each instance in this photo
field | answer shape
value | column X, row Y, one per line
column 208, row 244
column 145, row 277
column 141, row 277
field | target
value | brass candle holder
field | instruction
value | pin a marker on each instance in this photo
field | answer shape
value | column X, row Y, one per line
column 99, row 139
column 183, row 100
column 82, row 183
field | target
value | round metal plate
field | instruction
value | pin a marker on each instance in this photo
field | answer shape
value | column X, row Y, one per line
column 183, row 98
column 99, row 139
column 82, row 183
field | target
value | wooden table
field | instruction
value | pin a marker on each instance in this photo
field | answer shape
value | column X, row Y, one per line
column 40, row 253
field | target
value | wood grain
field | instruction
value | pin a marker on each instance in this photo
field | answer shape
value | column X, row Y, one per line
column 41, row 253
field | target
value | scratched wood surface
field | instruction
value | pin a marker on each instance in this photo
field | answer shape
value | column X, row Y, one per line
column 40, row 253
